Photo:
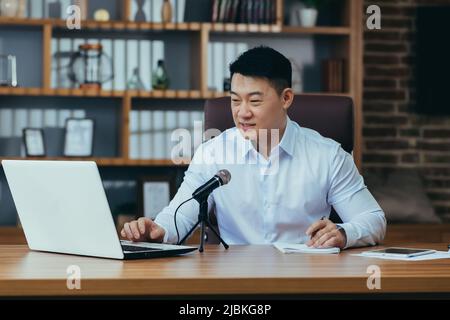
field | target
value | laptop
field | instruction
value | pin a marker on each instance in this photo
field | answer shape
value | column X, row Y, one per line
column 63, row 208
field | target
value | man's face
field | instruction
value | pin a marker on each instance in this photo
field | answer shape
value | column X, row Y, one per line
column 256, row 105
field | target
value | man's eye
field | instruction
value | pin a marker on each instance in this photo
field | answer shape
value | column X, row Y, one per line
column 255, row 101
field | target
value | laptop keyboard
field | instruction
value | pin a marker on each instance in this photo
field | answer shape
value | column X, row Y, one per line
column 137, row 248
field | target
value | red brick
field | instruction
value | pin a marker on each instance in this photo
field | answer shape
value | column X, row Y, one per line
column 436, row 133
column 386, row 47
column 384, row 107
column 379, row 132
column 376, row 83
column 381, row 60
column 384, row 95
column 387, row 71
column 410, row 158
column 380, row 158
column 433, row 146
column 386, row 120
column 387, row 144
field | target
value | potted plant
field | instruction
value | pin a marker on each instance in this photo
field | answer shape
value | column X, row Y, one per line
column 308, row 14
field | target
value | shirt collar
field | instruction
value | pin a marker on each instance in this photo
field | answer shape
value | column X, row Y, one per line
column 287, row 143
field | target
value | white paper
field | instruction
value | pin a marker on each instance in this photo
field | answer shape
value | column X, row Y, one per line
column 432, row 256
column 303, row 248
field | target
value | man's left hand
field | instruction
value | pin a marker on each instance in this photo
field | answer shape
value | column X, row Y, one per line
column 325, row 234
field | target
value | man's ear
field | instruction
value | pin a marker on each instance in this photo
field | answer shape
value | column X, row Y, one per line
column 287, row 96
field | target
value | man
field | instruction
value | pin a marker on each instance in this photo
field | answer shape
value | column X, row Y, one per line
column 281, row 189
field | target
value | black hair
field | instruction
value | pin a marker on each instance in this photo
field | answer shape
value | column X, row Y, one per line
column 266, row 63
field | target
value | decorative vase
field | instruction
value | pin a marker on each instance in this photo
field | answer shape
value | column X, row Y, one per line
column 9, row 8
column 160, row 79
column 308, row 17
column 140, row 14
column 166, row 11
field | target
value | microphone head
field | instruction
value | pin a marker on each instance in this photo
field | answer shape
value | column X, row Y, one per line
column 224, row 175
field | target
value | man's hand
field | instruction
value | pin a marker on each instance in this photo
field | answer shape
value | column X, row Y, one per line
column 143, row 229
column 325, row 234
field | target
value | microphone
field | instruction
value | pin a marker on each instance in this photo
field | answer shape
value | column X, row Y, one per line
column 220, row 178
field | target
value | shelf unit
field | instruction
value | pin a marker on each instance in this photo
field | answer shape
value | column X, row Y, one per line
column 348, row 35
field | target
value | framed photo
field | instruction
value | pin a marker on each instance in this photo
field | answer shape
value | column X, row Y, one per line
column 33, row 139
column 155, row 193
column 79, row 137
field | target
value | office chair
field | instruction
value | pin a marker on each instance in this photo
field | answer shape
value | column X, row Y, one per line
column 331, row 116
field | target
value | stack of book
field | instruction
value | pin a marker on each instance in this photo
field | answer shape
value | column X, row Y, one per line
column 244, row 11
column 160, row 134
column 333, row 75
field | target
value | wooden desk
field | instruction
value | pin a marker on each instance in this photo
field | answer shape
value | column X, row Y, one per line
column 240, row 270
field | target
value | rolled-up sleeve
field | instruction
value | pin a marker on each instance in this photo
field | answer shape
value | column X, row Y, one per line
column 363, row 219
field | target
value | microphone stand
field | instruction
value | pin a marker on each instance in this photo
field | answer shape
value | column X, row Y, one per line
column 203, row 219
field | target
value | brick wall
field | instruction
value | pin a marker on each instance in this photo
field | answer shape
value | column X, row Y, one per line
column 394, row 136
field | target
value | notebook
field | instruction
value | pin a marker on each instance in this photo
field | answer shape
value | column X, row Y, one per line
column 303, row 248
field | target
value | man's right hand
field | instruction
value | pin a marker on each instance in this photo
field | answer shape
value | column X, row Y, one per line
column 143, row 229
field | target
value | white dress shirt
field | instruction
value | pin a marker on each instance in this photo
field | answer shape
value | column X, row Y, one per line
column 278, row 198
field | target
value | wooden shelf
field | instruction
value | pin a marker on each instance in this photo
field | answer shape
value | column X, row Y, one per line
column 169, row 94
column 110, row 162
column 164, row 94
column 345, row 31
column 145, row 26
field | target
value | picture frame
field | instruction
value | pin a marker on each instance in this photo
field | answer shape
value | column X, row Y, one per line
column 79, row 137
column 154, row 194
column 34, row 142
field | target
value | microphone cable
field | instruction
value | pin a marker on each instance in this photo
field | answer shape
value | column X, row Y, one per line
column 175, row 219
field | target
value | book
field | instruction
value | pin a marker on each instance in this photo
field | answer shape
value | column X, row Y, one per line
column 303, row 248
column 215, row 10
column 20, row 121
column 107, row 48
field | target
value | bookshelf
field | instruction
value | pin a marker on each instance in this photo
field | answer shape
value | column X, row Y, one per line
column 341, row 40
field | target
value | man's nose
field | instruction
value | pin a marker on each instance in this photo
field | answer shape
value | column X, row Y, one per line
column 244, row 111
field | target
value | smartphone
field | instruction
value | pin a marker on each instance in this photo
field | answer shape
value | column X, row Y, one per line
column 398, row 252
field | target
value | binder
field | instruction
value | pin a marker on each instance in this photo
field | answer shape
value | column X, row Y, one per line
column 145, row 121
column 134, row 151
column 6, row 123
column 159, row 137
column 119, row 64
column 20, row 121
column 50, row 118
column 107, row 50
column 36, row 118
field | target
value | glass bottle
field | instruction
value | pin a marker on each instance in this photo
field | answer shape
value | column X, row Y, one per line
column 166, row 11
column 135, row 82
column 160, row 79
